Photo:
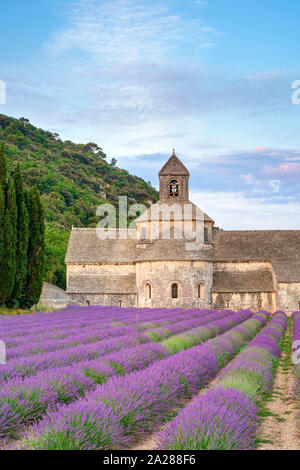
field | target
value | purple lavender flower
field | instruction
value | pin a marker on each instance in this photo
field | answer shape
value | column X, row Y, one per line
column 226, row 417
column 140, row 399
column 220, row 419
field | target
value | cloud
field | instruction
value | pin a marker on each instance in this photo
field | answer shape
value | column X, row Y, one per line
column 139, row 62
column 132, row 77
column 275, row 185
column 287, row 169
column 125, row 32
column 260, row 185
column 295, row 159
column 250, row 180
column 234, row 211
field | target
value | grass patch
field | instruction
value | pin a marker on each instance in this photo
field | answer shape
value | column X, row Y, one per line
column 34, row 309
column 264, row 441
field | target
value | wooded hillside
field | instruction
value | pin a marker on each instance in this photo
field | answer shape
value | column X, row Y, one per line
column 73, row 180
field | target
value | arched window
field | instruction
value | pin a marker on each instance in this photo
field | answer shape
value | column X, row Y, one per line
column 87, row 303
column 174, row 290
column 120, row 303
column 201, row 290
column 174, row 188
column 148, row 289
column 228, row 304
column 260, row 303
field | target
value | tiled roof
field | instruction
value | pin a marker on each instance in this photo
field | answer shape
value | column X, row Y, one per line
column 243, row 281
column 106, row 284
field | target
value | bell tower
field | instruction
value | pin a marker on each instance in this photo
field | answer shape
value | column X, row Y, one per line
column 174, row 181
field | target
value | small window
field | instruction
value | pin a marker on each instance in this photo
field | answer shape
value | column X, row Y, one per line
column 87, row 303
column 174, row 188
column 260, row 303
column 201, row 291
column 174, row 290
column 120, row 303
column 206, row 239
column 143, row 233
column 148, row 291
column 228, row 304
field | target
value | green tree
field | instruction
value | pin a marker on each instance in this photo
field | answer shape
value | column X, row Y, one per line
column 56, row 246
column 22, row 238
column 2, row 246
column 36, row 250
column 8, row 259
column 2, row 166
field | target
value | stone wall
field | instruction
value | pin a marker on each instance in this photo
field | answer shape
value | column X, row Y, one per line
column 288, row 297
column 53, row 296
column 236, row 300
column 121, row 300
column 242, row 266
column 240, row 300
column 81, row 295
column 161, row 275
column 98, row 268
column 183, row 190
column 188, row 274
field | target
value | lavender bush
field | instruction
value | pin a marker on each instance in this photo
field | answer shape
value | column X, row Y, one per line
column 90, row 347
column 296, row 355
column 217, row 420
column 141, row 399
column 32, row 397
column 226, row 417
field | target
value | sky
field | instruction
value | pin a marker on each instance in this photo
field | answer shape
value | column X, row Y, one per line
column 212, row 79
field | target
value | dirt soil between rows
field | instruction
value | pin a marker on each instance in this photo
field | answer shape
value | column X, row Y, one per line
column 280, row 430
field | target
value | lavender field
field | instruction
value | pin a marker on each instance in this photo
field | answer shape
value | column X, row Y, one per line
column 109, row 378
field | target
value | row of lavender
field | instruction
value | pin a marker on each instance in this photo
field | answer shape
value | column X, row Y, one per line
column 92, row 325
column 23, row 400
column 296, row 353
column 100, row 317
column 92, row 334
column 227, row 415
column 114, row 414
column 28, row 361
column 36, row 321
column 82, row 317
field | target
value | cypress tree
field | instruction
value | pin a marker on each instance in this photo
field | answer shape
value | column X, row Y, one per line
column 2, row 166
column 2, row 245
column 22, row 239
column 8, row 261
column 36, row 250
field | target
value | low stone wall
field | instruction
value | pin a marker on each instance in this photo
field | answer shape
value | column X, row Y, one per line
column 53, row 296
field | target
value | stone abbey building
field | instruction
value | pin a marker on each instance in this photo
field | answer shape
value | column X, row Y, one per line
column 177, row 258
